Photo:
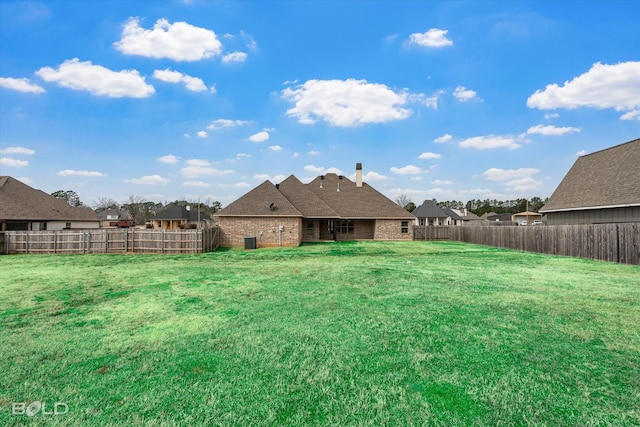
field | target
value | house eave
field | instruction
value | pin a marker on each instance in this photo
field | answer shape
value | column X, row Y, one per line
column 584, row 208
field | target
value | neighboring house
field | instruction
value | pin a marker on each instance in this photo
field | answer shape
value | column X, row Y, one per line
column 25, row 208
column 429, row 213
column 329, row 208
column 468, row 218
column 501, row 218
column 526, row 218
column 174, row 217
column 601, row 187
column 452, row 217
column 115, row 218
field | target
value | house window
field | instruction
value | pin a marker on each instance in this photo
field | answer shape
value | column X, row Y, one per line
column 421, row 221
column 67, row 225
column 310, row 228
column 404, row 227
column 345, row 226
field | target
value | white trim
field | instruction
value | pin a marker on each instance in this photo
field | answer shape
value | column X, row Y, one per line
column 631, row 205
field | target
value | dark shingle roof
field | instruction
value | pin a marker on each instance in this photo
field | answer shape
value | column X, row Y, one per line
column 305, row 200
column 451, row 214
column 607, row 178
column 312, row 200
column 177, row 212
column 20, row 202
column 429, row 209
column 264, row 200
column 353, row 202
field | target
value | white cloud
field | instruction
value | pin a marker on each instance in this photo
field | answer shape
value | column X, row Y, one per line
column 275, row 148
column 196, row 184
column 442, row 139
column 463, row 94
column 551, row 116
column 226, row 123
column 260, row 136
column 198, row 167
column 523, row 184
column 186, row 135
column 21, row 85
column 313, row 153
column 441, row 182
column 193, row 84
column 373, row 176
column 179, row 41
column 521, row 179
column 429, row 155
column 581, row 153
column 631, row 115
column 17, row 150
column 406, row 170
column 496, row 174
column 603, row 86
column 551, row 130
column 242, row 155
column 169, row 159
column 234, row 57
column 236, row 185
column 433, row 38
column 322, row 170
column 97, row 79
column 198, row 162
column 265, row 177
column 13, row 163
column 345, row 103
column 489, row 142
column 428, row 101
column 86, row 174
column 148, row 180
column 202, row 134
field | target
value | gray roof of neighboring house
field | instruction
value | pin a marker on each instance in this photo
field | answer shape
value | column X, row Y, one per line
column 451, row 214
column 20, row 202
column 122, row 214
column 179, row 212
column 606, row 178
column 318, row 199
column 429, row 209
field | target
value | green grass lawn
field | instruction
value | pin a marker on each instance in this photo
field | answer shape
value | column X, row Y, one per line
column 366, row 333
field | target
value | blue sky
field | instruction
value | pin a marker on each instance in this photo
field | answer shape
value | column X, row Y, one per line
column 199, row 99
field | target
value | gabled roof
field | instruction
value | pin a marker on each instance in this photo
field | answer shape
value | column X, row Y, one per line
column 20, row 202
column 264, row 200
column 179, row 212
column 451, row 214
column 604, row 179
column 122, row 214
column 353, row 202
column 429, row 209
column 305, row 200
column 293, row 198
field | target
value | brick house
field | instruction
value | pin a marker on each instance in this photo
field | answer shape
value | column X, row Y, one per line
column 329, row 208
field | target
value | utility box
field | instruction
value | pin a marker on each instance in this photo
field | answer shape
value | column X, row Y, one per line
column 250, row 242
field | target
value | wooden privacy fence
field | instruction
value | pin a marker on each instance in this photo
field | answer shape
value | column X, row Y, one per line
column 607, row 242
column 438, row 232
column 111, row 241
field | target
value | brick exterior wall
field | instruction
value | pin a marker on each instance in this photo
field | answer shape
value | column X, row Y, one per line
column 233, row 230
column 391, row 229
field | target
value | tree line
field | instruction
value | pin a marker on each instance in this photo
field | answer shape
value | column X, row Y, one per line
column 481, row 207
column 141, row 210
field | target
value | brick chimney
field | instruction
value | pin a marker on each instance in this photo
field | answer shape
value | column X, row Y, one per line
column 358, row 174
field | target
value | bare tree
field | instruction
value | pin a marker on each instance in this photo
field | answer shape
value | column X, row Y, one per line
column 105, row 203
